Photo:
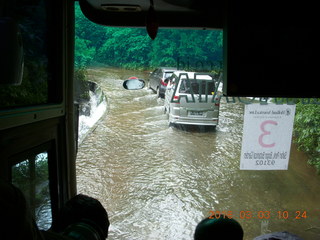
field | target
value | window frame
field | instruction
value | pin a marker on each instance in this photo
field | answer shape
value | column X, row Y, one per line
column 24, row 129
column 30, row 153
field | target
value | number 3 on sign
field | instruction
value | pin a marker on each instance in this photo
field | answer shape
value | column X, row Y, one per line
column 265, row 132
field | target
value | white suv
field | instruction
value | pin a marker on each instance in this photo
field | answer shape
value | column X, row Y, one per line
column 192, row 98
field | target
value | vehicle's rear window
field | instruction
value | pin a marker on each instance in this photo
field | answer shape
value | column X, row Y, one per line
column 198, row 86
column 167, row 74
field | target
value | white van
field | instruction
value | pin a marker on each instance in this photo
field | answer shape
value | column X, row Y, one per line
column 192, row 98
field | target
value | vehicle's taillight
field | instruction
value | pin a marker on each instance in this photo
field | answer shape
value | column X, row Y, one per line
column 176, row 98
column 163, row 82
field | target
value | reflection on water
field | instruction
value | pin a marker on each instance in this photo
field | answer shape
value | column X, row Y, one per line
column 158, row 182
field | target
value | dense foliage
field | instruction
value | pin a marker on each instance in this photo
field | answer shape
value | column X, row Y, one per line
column 307, row 131
column 133, row 48
column 81, row 91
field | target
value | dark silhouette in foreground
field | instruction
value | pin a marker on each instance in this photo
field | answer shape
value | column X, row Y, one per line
column 218, row 227
column 83, row 214
column 82, row 217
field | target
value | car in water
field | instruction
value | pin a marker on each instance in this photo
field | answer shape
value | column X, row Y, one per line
column 192, row 99
column 158, row 79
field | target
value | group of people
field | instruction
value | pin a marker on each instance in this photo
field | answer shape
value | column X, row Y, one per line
column 84, row 218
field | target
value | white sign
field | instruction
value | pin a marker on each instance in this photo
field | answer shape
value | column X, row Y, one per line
column 267, row 134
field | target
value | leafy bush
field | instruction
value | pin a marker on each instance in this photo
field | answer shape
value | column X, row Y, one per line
column 307, row 131
column 81, row 86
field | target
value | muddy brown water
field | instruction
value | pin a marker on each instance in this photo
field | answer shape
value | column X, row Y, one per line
column 157, row 182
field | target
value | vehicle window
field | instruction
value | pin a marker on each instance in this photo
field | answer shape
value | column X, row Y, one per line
column 198, row 86
column 167, row 74
column 157, row 180
column 34, row 87
column 32, row 177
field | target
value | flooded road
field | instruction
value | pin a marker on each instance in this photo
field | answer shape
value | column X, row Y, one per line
column 158, row 182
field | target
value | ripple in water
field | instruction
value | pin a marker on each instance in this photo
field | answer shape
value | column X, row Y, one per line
column 158, row 182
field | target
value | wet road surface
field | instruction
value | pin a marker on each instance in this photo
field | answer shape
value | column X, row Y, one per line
column 158, row 182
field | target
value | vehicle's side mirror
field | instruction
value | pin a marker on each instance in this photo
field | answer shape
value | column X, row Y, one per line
column 134, row 84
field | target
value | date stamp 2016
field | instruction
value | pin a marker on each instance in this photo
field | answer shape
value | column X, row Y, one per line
column 264, row 215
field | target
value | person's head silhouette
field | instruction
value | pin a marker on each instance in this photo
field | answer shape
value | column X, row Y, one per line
column 218, row 227
column 16, row 221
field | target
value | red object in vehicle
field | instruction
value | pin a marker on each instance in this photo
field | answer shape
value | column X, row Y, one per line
column 163, row 82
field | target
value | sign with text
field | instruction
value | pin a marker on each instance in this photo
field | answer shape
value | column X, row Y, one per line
column 267, row 134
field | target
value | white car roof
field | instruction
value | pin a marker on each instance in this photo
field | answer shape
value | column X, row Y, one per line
column 203, row 76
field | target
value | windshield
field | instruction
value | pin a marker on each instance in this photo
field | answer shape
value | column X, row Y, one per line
column 158, row 178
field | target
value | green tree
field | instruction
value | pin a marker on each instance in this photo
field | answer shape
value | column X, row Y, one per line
column 84, row 54
column 307, row 131
column 89, row 37
column 132, row 47
column 125, row 47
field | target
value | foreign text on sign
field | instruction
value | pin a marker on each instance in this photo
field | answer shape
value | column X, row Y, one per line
column 267, row 134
